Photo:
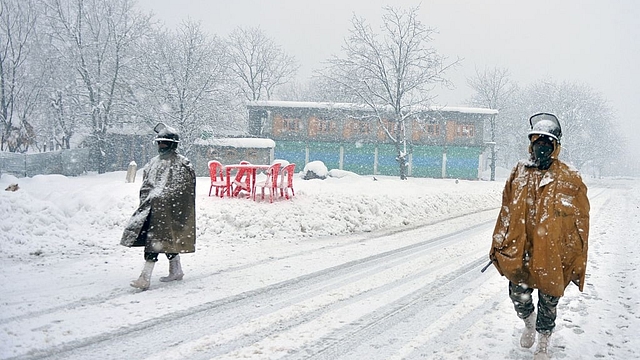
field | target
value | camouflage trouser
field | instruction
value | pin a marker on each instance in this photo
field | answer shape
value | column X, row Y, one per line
column 523, row 303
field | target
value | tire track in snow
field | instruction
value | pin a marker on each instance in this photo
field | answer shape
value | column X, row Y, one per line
column 431, row 307
column 119, row 292
column 341, row 343
column 231, row 302
column 303, row 287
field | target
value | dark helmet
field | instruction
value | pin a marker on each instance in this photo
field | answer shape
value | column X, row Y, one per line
column 545, row 124
column 166, row 133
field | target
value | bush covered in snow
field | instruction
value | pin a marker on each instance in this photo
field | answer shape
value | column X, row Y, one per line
column 315, row 170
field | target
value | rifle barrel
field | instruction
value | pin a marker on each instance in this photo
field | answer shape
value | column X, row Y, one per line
column 486, row 266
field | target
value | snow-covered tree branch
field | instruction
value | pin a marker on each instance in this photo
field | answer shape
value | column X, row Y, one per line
column 392, row 71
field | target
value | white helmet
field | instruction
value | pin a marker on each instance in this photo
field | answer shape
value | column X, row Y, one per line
column 545, row 124
column 166, row 133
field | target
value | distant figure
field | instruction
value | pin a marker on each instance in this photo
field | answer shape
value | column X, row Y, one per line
column 165, row 221
column 541, row 236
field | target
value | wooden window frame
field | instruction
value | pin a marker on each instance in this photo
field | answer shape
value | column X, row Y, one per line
column 465, row 130
column 291, row 125
column 433, row 129
column 361, row 127
column 325, row 126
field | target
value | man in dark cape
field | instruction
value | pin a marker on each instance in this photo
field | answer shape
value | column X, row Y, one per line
column 165, row 221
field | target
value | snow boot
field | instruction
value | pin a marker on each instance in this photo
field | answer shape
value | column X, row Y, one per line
column 175, row 270
column 541, row 351
column 144, row 280
column 529, row 334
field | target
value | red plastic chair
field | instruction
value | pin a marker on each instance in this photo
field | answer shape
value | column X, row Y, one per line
column 216, row 174
column 271, row 182
column 242, row 180
column 286, row 181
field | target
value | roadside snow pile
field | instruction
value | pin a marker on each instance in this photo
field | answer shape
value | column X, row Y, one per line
column 54, row 215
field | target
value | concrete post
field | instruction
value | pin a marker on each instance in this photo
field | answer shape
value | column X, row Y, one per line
column 131, row 172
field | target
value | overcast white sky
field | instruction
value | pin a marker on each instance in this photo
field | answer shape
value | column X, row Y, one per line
column 591, row 41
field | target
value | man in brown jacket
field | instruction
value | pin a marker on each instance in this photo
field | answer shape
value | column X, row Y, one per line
column 165, row 221
column 541, row 236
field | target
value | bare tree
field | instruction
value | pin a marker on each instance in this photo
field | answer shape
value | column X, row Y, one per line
column 259, row 65
column 20, row 78
column 97, row 38
column 494, row 90
column 295, row 91
column 65, row 110
column 392, row 72
column 185, row 81
column 590, row 138
column 317, row 89
column 62, row 109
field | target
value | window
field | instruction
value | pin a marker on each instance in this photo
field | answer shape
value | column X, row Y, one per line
column 213, row 153
column 361, row 126
column 252, row 156
column 325, row 126
column 390, row 126
column 433, row 129
column 425, row 130
column 291, row 124
column 283, row 126
column 465, row 130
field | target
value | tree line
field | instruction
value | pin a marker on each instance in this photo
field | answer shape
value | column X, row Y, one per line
column 74, row 70
column 87, row 67
column 591, row 137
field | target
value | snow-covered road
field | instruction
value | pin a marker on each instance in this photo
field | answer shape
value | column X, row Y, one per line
column 414, row 292
column 326, row 298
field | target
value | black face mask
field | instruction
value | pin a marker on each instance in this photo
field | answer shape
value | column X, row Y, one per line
column 167, row 149
column 542, row 151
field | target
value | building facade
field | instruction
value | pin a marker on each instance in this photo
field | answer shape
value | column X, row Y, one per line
column 444, row 142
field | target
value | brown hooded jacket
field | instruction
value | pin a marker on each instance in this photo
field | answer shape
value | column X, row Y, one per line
column 541, row 235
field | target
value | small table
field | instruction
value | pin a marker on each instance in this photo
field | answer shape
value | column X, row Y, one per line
column 250, row 170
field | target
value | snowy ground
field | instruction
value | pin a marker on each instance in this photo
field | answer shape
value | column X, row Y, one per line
column 350, row 268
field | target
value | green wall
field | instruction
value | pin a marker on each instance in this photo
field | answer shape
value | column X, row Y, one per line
column 359, row 158
column 292, row 151
column 427, row 161
column 328, row 153
column 462, row 161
